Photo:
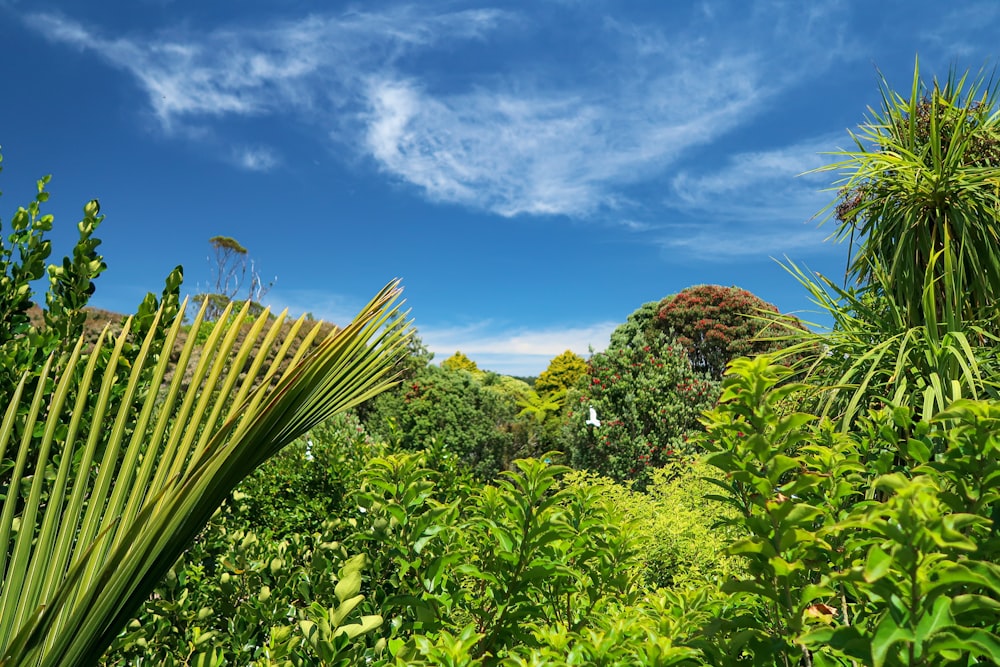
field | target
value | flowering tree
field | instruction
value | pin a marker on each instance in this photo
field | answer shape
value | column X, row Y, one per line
column 716, row 324
column 647, row 398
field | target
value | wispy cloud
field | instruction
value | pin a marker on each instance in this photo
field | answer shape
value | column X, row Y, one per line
column 758, row 184
column 255, row 158
column 543, row 152
column 959, row 28
column 252, row 71
column 758, row 203
column 517, row 142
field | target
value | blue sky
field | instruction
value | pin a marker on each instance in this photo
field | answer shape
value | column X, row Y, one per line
column 533, row 171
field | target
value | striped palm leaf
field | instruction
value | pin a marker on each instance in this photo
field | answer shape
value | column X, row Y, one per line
column 115, row 472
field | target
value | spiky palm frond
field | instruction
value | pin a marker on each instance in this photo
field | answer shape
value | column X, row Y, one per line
column 135, row 478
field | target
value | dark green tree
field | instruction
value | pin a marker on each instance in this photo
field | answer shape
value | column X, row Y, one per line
column 452, row 410
column 641, row 321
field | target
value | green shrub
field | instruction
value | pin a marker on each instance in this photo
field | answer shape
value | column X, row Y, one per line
column 246, row 598
column 308, row 482
column 876, row 546
column 679, row 543
column 454, row 409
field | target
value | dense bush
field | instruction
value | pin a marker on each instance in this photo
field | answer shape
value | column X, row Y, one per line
column 876, row 546
column 679, row 538
column 647, row 399
column 246, row 598
column 455, row 410
column 307, row 482
column 512, row 573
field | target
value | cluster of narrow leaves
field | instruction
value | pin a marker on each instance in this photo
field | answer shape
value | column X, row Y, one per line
column 132, row 486
column 873, row 547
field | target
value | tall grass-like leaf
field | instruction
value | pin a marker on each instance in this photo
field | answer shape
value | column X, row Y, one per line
column 144, row 461
column 922, row 192
column 871, row 357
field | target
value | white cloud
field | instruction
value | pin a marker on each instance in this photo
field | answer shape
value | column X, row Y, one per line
column 726, row 242
column 255, row 158
column 291, row 66
column 760, row 184
column 517, row 351
column 550, row 153
column 527, row 141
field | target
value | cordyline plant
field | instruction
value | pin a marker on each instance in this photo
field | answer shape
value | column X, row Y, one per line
column 920, row 192
column 130, row 488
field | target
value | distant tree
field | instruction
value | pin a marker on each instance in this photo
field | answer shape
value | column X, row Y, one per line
column 460, row 362
column 506, row 385
column 452, row 410
column 230, row 265
column 233, row 267
column 716, row 324
column 563, row 372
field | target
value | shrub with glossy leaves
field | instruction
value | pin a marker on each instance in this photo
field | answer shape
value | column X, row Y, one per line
column 307, row 482
column 876, row 546
column 680, row 542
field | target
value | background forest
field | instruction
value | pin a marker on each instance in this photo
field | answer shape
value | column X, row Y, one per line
column 720, row 486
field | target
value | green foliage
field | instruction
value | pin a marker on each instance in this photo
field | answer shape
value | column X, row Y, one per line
column 562, row 373
column 639, row 323
column 246, row 598
column 453, row 409
column 307, row 482
column 679, row 539
column 505, row 385
column 875, row 546
column 474, row 573
column 647, row 399
column 539, row 421
column 460, row 362
column 919, row 193
column 88, row 544
column 716, row 324
column 872, row 357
